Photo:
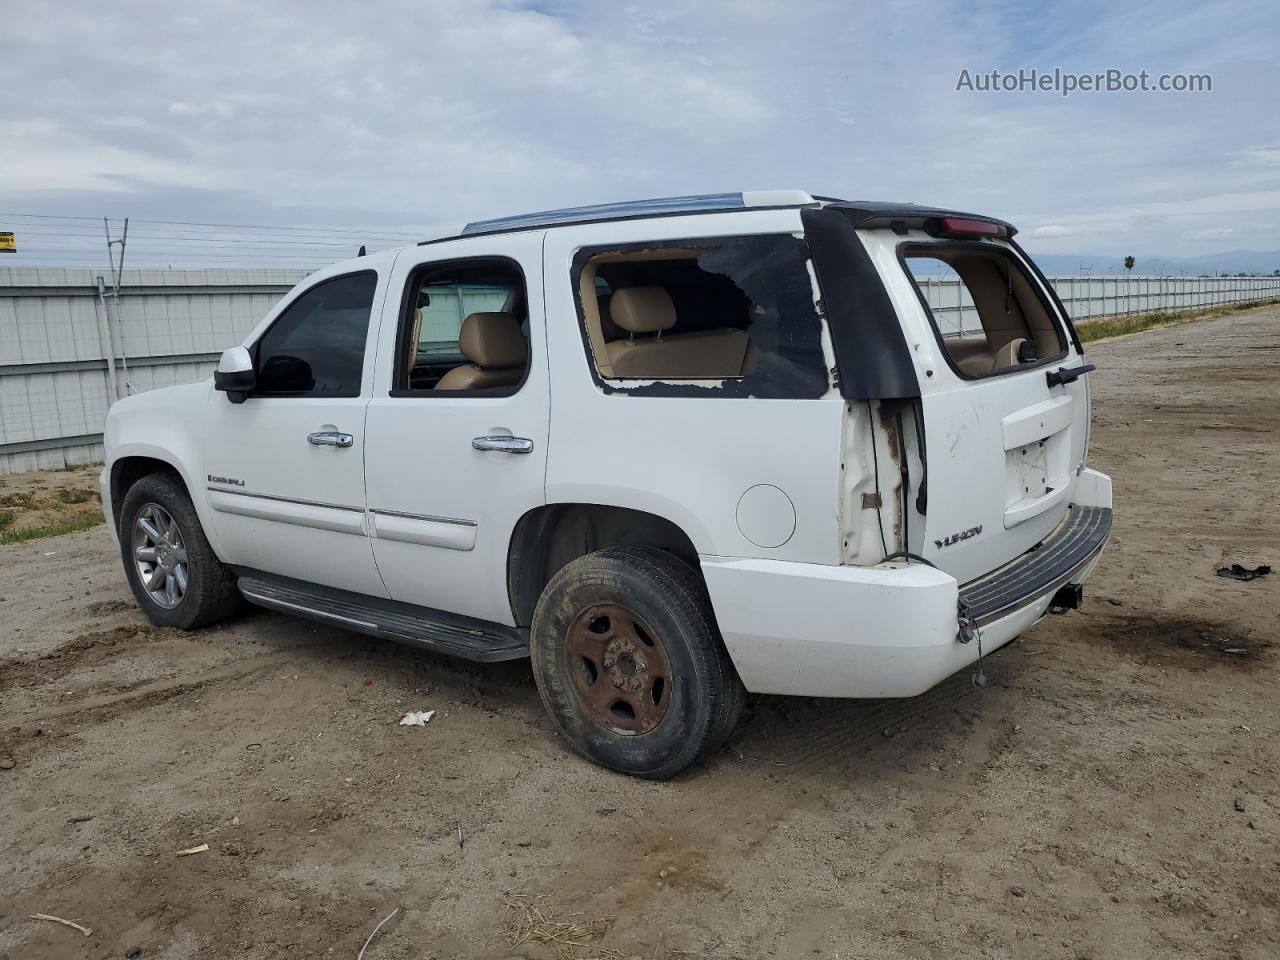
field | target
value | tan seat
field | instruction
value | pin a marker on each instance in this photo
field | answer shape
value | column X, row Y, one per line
column 497, row 350
column 411, row 358
column 971, row 354
column 1007, row 356
column 708, row 354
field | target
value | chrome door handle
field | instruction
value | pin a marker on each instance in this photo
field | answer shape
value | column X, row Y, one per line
column 331, row 438
column 503, row 444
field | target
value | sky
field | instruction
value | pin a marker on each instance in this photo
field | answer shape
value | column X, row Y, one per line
column 338, row 122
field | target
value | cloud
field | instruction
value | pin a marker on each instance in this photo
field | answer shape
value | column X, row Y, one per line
column 1268, row 156
column 410, row 112
column 1213, row 233
column 1055, row 230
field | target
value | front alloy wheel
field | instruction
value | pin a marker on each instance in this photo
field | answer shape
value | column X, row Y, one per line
column 160, row 555
column 172, row 570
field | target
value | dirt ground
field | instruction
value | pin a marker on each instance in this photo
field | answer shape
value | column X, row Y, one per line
column 1114, row 792
column 50, row 502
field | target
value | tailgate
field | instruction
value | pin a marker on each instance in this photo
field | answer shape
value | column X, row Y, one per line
column 1004, row 441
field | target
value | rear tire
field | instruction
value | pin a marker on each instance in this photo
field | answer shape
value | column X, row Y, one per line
column 630, row 664
column 175, row 576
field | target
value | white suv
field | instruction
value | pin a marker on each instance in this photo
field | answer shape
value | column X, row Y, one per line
column 672, row 450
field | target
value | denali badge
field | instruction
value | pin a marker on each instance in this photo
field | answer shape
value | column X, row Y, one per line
column 228, row 480
column 957, row 537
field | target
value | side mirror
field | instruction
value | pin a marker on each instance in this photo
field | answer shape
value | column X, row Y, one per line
column 235, row 375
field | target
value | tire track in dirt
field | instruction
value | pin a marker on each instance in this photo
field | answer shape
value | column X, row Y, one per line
column 96, row 710
column 85, row 650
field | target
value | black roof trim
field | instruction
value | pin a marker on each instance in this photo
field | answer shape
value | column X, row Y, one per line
column 871, row 213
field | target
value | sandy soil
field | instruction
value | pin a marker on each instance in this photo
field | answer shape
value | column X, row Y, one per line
column 1113, row 793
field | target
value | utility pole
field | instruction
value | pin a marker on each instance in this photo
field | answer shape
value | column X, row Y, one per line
column 116, row 273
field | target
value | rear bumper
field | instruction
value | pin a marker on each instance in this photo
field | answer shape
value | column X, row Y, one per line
column 890, row 630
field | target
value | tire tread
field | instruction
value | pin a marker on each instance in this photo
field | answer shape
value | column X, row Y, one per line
column 684, row 592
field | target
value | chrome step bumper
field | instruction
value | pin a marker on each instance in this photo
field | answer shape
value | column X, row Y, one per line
column 1050, row 564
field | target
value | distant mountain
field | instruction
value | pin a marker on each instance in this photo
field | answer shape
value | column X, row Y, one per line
column 1234, row 261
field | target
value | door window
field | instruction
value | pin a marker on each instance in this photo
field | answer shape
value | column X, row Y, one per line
column 464, row 327
column 316, row 346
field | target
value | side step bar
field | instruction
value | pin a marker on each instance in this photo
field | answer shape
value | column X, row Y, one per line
column 405, row 623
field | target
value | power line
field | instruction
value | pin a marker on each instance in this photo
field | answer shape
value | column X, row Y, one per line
column 250, row 226
column 263, row 243
column 394, row 234
column 246, row 251
column 262, row 259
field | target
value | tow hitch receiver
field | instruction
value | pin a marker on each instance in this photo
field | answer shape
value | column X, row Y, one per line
column 1067, row 598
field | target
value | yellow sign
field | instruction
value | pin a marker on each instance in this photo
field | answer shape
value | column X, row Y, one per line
column 7, row 243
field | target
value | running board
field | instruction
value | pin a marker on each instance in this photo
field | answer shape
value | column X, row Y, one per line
column 416, row 626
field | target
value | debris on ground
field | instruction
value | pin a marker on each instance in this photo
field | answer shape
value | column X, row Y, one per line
column 417, row 718
column 6, row 763
column 80, row 819
column 1237, row 572
column 133, row 953
column 360, row 955
column 529, row 922
column 87, row 931
column 193, row 850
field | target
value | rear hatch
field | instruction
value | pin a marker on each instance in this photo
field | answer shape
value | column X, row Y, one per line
column 1005, row 407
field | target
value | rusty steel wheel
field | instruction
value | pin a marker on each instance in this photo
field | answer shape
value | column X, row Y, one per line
column 629, row 663
column 619, row 669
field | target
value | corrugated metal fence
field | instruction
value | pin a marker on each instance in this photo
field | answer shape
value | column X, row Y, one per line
column 67, row 350
column 1093, row 297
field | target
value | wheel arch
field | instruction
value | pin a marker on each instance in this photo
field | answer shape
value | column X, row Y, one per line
column 548, row 537
column 126, row 471
column 133, row 462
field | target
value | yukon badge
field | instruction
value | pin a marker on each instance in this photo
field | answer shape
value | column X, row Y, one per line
column 957, row 537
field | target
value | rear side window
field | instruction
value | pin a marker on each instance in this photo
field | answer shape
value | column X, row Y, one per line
column 985, row 308
column 726, row 316
column 316, row 346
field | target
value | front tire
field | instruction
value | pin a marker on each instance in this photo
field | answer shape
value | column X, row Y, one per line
column 175, row 576
column 630, row 665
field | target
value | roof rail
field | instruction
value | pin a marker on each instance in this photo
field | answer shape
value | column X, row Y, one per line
column 660, row 206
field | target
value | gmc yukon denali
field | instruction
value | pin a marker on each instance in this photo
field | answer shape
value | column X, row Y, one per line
column 671, row 451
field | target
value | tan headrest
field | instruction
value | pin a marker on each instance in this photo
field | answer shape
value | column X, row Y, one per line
column 1007, row 356
column 642, row 309
column 493, row 341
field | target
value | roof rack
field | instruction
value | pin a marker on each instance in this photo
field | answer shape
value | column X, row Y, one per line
column 660, row 206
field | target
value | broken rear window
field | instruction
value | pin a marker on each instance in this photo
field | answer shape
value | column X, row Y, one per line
column 730, row 316
column 984, row 306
